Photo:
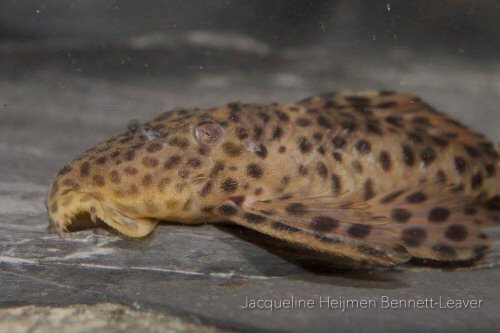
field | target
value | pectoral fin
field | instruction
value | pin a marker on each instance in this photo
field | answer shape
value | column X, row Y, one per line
column 345, row 231
column 426, row 221
column 132, row 227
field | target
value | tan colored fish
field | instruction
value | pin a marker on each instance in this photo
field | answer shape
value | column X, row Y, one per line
column 378, row 177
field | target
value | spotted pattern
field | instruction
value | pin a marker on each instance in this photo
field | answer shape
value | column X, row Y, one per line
column 311, row 166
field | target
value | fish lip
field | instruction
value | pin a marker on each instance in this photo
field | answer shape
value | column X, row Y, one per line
column 98, row 209
column 61, row 219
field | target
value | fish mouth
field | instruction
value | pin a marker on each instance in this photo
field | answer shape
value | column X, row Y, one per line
column 74, row 210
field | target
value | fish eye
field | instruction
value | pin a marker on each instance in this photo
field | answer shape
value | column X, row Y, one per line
column 208, row 132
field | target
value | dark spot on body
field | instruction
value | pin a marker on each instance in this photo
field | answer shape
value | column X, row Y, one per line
column 296, row 208
column 336, row 184
column 386, row 105
column 303, row 171
column 414, row 236
column 368, row 190
column 129, row 155
column 85, row 169
column 337, row 156
column 99, row 180
column 451, row 135
column 238, row 200
column 357, row 101
column 257, row 132
column 115, row 177
column 203, row 150
column 254, row 170
column 456, row 232
column 490, row 170
column 424, row 121
column 281, row 149
column 374, row 127
column 194, row 162
column 67, row 169
column 229, row 185
column 218, row 167
column 339, row 142
column 428, row 155
column 263, row 116
column 241, row 133
column 473, row 152
column 359, row 230
column 348, row 125
column 438, row 214
column 321, row 170
column 304, row 145
column 440, row 141
column 444, row 250
column 262, row 151
column 101, row 160
column 460, row 164
column 394, row 121
column 178, row 142
column 391, row 197
column 363, row 146
column 228, row 210
column 385, row 160
column 476, row 180
column 400, row 215
column 153, row 147
column 183, row 173
column 172, row 162
column 276, row 133
column 254, row 218
column 303, row 122
column 147, row 179
column 206, row 188
column 416, row 197
column 441, row 177
column 323, row 122
column 71, row 183
column 323, row 223
column 131, row 171
column 232, row 149
column 281, row 115
column 408, row 155
column 356, row 165
column 470, row 210
column 150, row 162
column 278, row 225
column 318, row 136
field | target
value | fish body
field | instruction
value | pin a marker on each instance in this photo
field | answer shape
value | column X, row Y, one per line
column 376, row 176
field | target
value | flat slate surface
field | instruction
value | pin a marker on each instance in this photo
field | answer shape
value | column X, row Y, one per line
column 55, row 103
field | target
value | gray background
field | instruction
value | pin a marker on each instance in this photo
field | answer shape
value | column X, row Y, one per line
column 74, row 72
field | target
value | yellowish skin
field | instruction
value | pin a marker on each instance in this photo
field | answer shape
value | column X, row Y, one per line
column 376, row 176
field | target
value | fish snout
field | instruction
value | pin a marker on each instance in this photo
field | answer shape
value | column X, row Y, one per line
column 80, row 197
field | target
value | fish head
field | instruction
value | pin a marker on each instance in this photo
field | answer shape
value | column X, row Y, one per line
column 164, row 169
